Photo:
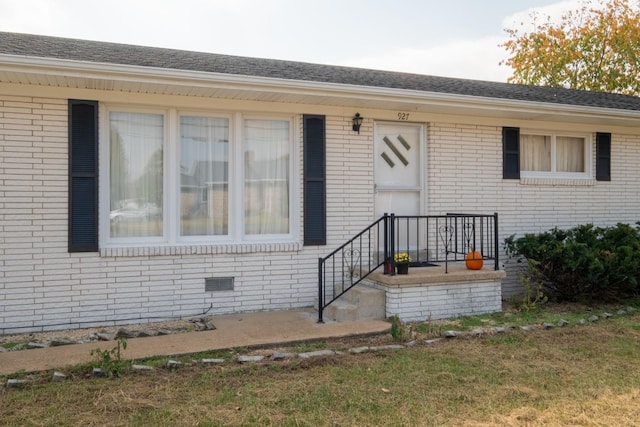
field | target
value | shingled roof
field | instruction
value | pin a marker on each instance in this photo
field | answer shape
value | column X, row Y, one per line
column 28, row 45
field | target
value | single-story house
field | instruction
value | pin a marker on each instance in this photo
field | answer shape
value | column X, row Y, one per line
column 141, row 184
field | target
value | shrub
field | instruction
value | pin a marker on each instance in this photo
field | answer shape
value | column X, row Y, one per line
column 111, row 361
column 397, row 329
column 584, row 264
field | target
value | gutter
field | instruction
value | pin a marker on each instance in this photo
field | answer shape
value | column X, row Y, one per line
column 188, row 78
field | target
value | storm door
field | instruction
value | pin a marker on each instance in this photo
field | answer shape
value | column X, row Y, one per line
column 399, row 175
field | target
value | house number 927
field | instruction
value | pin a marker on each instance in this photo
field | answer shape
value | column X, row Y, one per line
column 403, row 116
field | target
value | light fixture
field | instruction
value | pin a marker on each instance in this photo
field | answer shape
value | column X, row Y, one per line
column 357, row 121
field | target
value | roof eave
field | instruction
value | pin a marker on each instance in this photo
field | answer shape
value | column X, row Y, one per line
column 295, row 91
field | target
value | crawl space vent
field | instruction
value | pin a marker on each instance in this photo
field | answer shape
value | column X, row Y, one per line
column 213, row 284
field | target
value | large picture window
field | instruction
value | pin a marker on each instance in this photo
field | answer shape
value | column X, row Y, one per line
column 181, row 178
column 553, row 155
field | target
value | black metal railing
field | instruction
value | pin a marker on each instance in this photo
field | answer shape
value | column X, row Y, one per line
column 444, row 238
column 427, row 239
column 348, row 265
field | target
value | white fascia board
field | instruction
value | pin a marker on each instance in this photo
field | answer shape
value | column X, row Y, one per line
column 189, row 78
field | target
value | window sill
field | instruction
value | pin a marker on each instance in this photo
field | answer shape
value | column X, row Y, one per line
column 558, row 182
column 178, row 250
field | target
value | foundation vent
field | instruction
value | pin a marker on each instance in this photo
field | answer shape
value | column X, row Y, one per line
column 213, row 284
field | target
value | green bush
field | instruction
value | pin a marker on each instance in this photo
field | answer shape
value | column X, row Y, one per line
column 583, row 264
column 111, row 361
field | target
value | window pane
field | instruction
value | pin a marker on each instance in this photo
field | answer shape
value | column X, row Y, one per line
column 136, row 165
column 204, row 176
column 266, row 176
column 535, row 153
column 569, row 154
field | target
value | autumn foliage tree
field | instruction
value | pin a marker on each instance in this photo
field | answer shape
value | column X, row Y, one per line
column 592, row 48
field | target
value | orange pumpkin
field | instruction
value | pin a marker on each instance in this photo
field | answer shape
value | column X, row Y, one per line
column 474, row 260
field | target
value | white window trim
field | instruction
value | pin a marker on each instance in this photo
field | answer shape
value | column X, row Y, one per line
column 104, row 205
column 588, row 157
column 235, row 240
column 294, row 179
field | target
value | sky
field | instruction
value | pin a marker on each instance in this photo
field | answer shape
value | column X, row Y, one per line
column 452, row 38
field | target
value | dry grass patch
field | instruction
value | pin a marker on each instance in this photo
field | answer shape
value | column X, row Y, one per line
column 580, row 375
column 605, row 409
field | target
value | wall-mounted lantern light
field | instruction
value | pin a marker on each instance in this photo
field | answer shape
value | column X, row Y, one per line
column 357, row 122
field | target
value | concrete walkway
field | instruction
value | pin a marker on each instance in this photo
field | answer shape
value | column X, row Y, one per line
column 235, row 330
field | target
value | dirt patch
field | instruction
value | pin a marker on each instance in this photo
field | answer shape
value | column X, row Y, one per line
column 18, row 341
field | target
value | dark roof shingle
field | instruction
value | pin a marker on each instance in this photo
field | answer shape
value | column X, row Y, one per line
column 101, row 52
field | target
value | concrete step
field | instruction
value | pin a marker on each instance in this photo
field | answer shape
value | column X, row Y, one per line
column 341, row 311
column 359, row 303
column 370, row 301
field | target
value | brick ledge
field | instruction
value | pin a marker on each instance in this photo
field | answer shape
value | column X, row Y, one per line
column 199, row 249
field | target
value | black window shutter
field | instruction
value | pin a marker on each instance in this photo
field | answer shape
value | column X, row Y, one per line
column 314, row 152
column 83, row 176
column 603, row 156
column 510, row 153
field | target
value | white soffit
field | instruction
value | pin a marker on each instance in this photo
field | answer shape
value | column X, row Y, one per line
column 172, row 82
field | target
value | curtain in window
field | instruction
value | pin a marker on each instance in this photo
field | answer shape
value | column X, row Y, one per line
column 569, row 154
column 204, row 176
column 535, row 153
column 266, row 177
column 136, row 171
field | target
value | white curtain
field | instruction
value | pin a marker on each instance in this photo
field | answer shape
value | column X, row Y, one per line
column 266, row 176
column 136, row 171
column 204, row 176
column 535, row 153
column 569, row 154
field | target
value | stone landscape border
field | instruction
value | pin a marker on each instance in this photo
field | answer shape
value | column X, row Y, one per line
column 280, row 356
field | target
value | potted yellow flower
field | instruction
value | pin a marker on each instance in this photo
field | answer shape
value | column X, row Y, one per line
column 402, row 260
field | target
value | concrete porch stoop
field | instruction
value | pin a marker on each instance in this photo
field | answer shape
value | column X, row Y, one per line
column 362, row 302
column 440, row 293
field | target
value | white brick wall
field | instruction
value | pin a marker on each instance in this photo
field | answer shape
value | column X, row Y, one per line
column 42, row 286
column 465, row 175
column 441, row 301
column 349, row 179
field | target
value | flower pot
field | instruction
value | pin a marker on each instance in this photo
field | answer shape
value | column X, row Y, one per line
column 402, row 268
column 474, row 260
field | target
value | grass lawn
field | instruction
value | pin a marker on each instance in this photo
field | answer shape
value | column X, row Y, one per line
column 586, row 375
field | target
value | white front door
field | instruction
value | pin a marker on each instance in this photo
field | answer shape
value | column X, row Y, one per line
column 398, row 166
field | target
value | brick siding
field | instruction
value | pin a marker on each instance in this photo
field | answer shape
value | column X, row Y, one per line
column 43, row 286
